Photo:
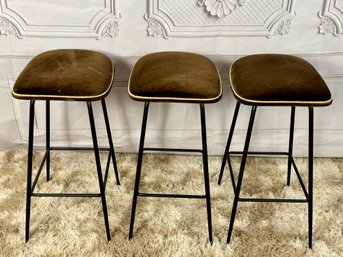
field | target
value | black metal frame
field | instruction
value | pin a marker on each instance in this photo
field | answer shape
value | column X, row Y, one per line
column 46, row 160
column 291, row 163
column 203, row 151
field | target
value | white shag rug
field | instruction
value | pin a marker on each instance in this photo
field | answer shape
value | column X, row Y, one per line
column 168, row 227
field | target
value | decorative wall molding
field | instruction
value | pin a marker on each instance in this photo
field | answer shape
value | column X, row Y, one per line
column 96, row 19
column 181, row 18
column 331, row 17
column 329, row 64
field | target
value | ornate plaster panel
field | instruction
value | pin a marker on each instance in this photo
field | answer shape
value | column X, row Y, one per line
column 77, row 18
column 331, row 17
column 192, row 18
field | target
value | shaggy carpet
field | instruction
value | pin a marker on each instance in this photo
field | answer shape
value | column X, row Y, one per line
column 168, row 227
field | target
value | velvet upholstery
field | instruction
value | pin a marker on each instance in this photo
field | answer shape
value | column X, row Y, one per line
column 175, row 77
column 65, row 74
column 275, row 79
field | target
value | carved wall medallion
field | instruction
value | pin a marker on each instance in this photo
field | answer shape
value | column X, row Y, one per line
column 327, row 26
column 284, row 27
column 77, row 18
column 179, row 18
column 7, row 28
column 155, row 28
column 112, row 28
column 218, row 7
column 331, row 17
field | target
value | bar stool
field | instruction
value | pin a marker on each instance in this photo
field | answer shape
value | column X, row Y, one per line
column 275, row 80
column 67, row 75
column 178, row 77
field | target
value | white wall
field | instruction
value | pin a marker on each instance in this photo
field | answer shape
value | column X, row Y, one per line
column 128, row 29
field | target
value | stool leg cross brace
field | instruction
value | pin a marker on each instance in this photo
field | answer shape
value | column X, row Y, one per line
column 291, row 163
column 205, row 167
column 46, row 160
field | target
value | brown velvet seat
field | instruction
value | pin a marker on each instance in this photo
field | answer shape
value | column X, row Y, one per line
column 65, row 74
column 176, row 77
column 276, row 79
column 265, row 80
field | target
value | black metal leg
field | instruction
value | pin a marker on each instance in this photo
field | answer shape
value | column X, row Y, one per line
column 290, row 146
column 29, row 170
column 205, row 166
column 225, row 155
column 98, row 165
column 139, row 167
column 241, row 171
column 109, row 135
column 310, row 176
column 47, row 110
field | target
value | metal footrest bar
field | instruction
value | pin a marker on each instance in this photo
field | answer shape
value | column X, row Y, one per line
column 157, row 149
column 171, row 195
column 267, row 153
column 267, row 199
column 103, row 149
column 64, row 195
column 270, row 200
column 44, row 159
column 251, row 153
column 258, row 153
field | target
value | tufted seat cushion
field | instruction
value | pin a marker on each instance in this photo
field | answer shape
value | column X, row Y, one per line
column 175, row 77
column 65, row 74
column 275, row 79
